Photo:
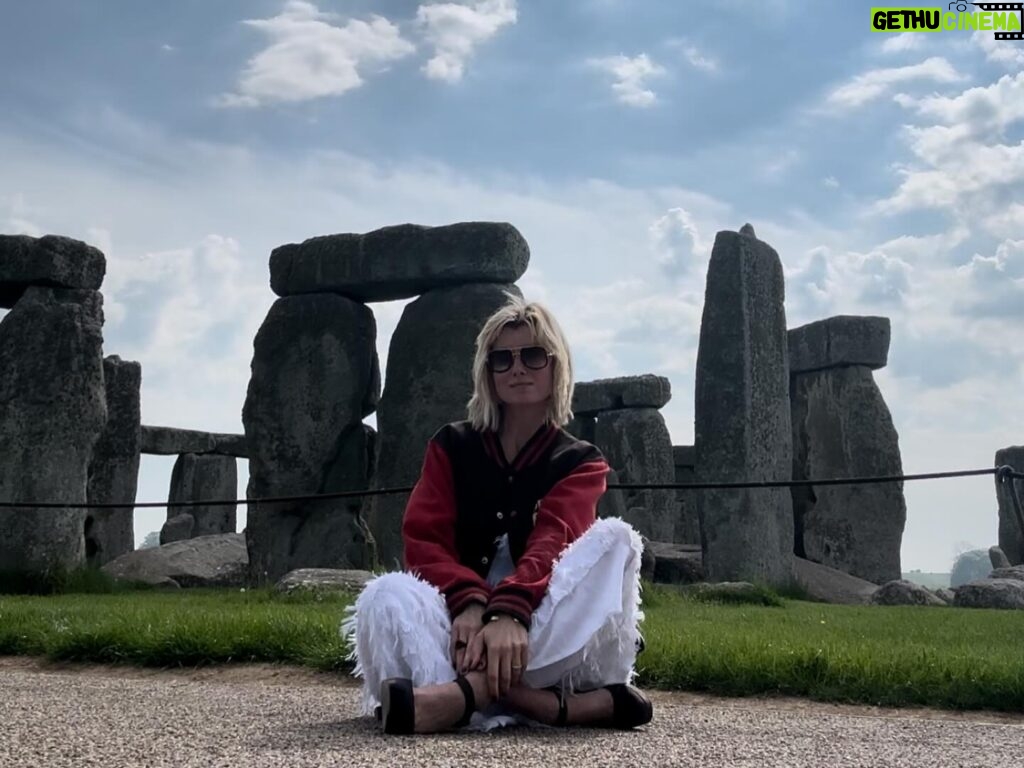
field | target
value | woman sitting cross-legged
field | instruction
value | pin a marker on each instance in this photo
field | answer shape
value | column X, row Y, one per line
column 515, row 599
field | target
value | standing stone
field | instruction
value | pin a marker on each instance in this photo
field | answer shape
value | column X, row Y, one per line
column 53, row 407
column 998, row 558
column 178, row 527
column 401, row 261
column 636, row 443
column 590, row 398
column 198, row 477
column 428, row 384
column 315, row 376
column 743, row 430
column 114, row 469
column 842, row 428
column 613, row 501
column 1011, row 538
column 687, row 528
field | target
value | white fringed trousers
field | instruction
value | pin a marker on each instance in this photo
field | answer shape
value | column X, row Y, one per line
column 583, row 635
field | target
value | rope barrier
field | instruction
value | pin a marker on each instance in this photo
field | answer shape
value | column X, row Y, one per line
column 1004, row 474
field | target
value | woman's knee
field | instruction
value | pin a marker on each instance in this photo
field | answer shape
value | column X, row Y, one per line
column 618, row 534
column 396, row 589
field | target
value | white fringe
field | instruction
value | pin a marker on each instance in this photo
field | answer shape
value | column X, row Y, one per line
column 399, row 626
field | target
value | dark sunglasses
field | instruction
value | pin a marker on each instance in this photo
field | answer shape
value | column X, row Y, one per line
column 534, row 358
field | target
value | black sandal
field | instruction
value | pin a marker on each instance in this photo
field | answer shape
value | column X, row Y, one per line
column 630, row 706
column 563, row 707
column 397, row 710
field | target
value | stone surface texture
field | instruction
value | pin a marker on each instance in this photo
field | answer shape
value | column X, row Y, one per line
column 843, row 428
column 742, row 419
column 401, row 261
column 53, row 408
column 197, row 477
column 315, row 375
column 50, row 262
column 901, row 592
column 838, row 341
column 205, row 561
column 167, row 441
column 1011, row 538
column 645, row 391
column 636, row 443
column 114, row 467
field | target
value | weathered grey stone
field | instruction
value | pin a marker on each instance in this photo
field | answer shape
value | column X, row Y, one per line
column 842, row 428
column 675, row 565
column 178, row 527
column 114, row 468
column 742, row 425
column 323, row 580
column 53, row 407
column 636, row 443
column 1011, row 538
column 838, row 341
column 991, row 593
column 900, row 592
column 969, row 566
column 647, row 560
column 51, row 261
column 590, row 398
column 687, row 527
column 945, row 595
column 748, row 230
column 315, row 376
column 1015, row 572
column 198, row 477
column 205, row 561
column 166, row 441
column 998, row 558
column 582, row 427
column 613, row 502
column 828, row 585
column 401, row 261
column 428, row 384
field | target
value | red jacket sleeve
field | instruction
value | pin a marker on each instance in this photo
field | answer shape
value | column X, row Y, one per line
column 563, row 515
column 428, row 534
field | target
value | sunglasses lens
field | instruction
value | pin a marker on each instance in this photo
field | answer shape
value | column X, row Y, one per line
column 534, row 357
column 500, row 360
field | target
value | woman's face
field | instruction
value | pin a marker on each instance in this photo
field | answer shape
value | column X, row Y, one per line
column 521, row 384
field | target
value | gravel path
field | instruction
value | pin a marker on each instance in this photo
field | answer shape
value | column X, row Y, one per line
column 252, row 716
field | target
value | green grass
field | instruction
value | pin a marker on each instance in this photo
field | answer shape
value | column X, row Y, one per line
column 945, row 657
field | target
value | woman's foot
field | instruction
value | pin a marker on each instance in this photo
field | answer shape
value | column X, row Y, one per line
column 432, row 708
column 614, row 706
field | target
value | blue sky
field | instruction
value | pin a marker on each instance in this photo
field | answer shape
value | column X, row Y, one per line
column 187, row 140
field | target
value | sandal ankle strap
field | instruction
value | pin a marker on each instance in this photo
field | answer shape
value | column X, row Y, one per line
column 470, row 697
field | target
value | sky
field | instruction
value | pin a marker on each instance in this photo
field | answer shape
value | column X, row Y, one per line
column 187, row 140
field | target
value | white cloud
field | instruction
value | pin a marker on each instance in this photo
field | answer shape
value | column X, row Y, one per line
column 456, row 30
column 310, row 58
column 677, row 243
column 693, row 55
column 981, row 111
column 831, row 182
column 1006, row 52
column 871, row 85
column 168, row 48
column 631, row 76
column 905, row 41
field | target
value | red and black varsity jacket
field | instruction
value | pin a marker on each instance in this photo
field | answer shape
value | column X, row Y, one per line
column 469, row 495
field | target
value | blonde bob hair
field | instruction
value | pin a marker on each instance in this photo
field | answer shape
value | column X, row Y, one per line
column 484, row 408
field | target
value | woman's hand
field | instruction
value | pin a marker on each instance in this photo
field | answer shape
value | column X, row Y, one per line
column 503, row 643
column 465, row 627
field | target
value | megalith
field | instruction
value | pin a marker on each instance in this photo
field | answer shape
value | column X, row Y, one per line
column 687, row 528
column 315, row 376
column 114, row 467
column 843, row 428
column 53, row 408
column 400, row 261
column 51, row 261
column 427, row 384
column 742, row 421
column 203, row 477
column 1011, row 538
